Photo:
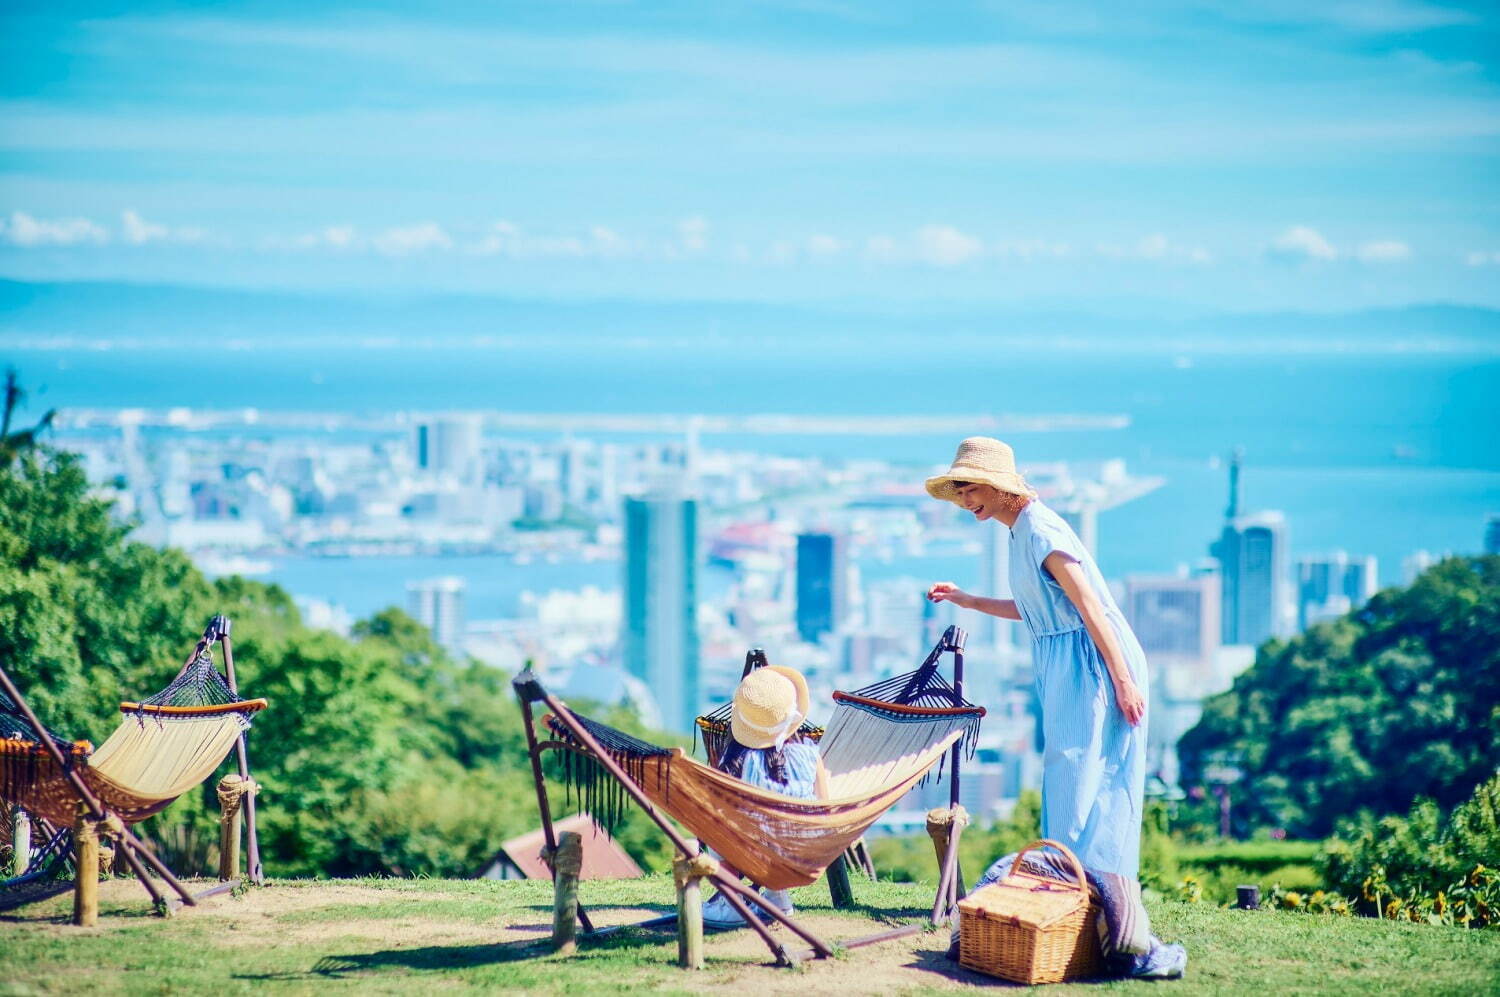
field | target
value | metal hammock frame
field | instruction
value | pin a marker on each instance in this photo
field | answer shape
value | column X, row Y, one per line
column 579, row 735
column 70, row 756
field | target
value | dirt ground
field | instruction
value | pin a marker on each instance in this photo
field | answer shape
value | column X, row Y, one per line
column 331, row 914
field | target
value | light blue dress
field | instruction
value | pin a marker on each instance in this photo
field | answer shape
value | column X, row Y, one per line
column 1093, row 760
column 801, row 761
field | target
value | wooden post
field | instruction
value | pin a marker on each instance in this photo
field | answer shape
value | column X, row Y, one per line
column 944, row 825
column 86, row 876
column 20, row 841
column 533, row 751
column 242, row 756
column 567, row 863
column 839, row 887
column 689, row 914
column 233, row 791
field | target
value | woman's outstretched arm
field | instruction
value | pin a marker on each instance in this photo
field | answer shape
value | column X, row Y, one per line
column 1069, row 575
column 948, row 592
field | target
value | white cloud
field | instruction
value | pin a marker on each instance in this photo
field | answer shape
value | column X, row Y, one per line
column 138, row 231
column 419, row 238
column 608, row 242
column 26, row 230
column 505, row 238
column 1482, row 258
column 693, row 233
column 1157, row 247
column 946, row 246
column 1383, row 251
column 1301, row 244
column 339, row 236
column 825, row 246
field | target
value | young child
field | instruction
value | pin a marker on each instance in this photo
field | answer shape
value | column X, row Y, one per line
column 765, row 751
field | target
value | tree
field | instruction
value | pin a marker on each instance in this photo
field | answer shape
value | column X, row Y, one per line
column 14, row 444
column 1398, row 700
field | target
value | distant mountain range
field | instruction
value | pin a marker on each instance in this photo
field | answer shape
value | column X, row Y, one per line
column 34, row 315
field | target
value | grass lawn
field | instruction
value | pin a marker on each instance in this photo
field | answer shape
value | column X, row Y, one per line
column 410, row 936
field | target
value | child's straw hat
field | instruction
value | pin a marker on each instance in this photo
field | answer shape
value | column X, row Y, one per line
column 769, row 705
column 980, row 460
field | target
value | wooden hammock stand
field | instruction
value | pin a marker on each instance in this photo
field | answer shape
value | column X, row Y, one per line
column 691, row 865
column 96, row 819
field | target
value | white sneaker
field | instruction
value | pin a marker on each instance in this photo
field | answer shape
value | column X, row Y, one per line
column 780, row 899
column 717, row 913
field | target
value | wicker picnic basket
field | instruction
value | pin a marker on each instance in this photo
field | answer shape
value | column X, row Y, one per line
column 1029, row 928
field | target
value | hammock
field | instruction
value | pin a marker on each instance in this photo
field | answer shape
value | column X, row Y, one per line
column 164, row 746
column 875, row 750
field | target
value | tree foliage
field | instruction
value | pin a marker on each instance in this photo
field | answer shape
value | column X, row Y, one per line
column 1426, row 864
column 1398, row 700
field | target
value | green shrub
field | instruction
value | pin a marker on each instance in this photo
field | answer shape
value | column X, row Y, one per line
column 1422, row 867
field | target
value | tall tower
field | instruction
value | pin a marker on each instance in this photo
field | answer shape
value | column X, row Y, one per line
column 660, row 638
column 822, row 584
column 438, row 604
column 449, row 445
column 1251, row 551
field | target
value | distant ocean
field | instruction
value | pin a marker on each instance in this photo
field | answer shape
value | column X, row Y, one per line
column 1377, row 454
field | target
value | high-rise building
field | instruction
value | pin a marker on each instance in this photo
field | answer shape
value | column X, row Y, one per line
column 1332, row 585
column 449, row 444
column 1175, row 615
column 573, row 472
column 438, row 604
column 994, row 574
column 1251, row 552
column 822, row 584
column 1492, row 534
column 1414, row 564
column 660, row 638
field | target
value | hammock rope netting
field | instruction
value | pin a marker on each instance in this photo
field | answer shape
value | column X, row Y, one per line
column 49, row 864
column 875, row 751
column 164, row 745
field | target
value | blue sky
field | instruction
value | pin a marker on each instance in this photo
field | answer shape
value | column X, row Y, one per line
column 1145, row 156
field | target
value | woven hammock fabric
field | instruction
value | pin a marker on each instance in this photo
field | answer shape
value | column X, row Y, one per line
column 778, row 841
column 868, row 744
column 163, row 747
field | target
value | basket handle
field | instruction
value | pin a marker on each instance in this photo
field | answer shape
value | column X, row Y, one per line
column 1083, row 880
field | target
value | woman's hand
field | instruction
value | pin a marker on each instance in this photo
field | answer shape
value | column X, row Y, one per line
column 948, row 592
column 1130, row 701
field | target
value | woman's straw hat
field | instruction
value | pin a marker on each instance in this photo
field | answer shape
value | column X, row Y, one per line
column 981, row 460
column 769, row 705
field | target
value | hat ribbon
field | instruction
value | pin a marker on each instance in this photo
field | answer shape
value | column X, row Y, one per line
column 780, row 732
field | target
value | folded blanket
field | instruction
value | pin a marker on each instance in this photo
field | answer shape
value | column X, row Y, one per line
column 1125, row 936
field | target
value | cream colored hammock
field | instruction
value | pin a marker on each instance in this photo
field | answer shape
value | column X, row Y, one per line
column 163, row 747
column 875, row 749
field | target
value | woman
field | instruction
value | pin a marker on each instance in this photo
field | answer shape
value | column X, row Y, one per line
column 765, row 750
column 1091, row 680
